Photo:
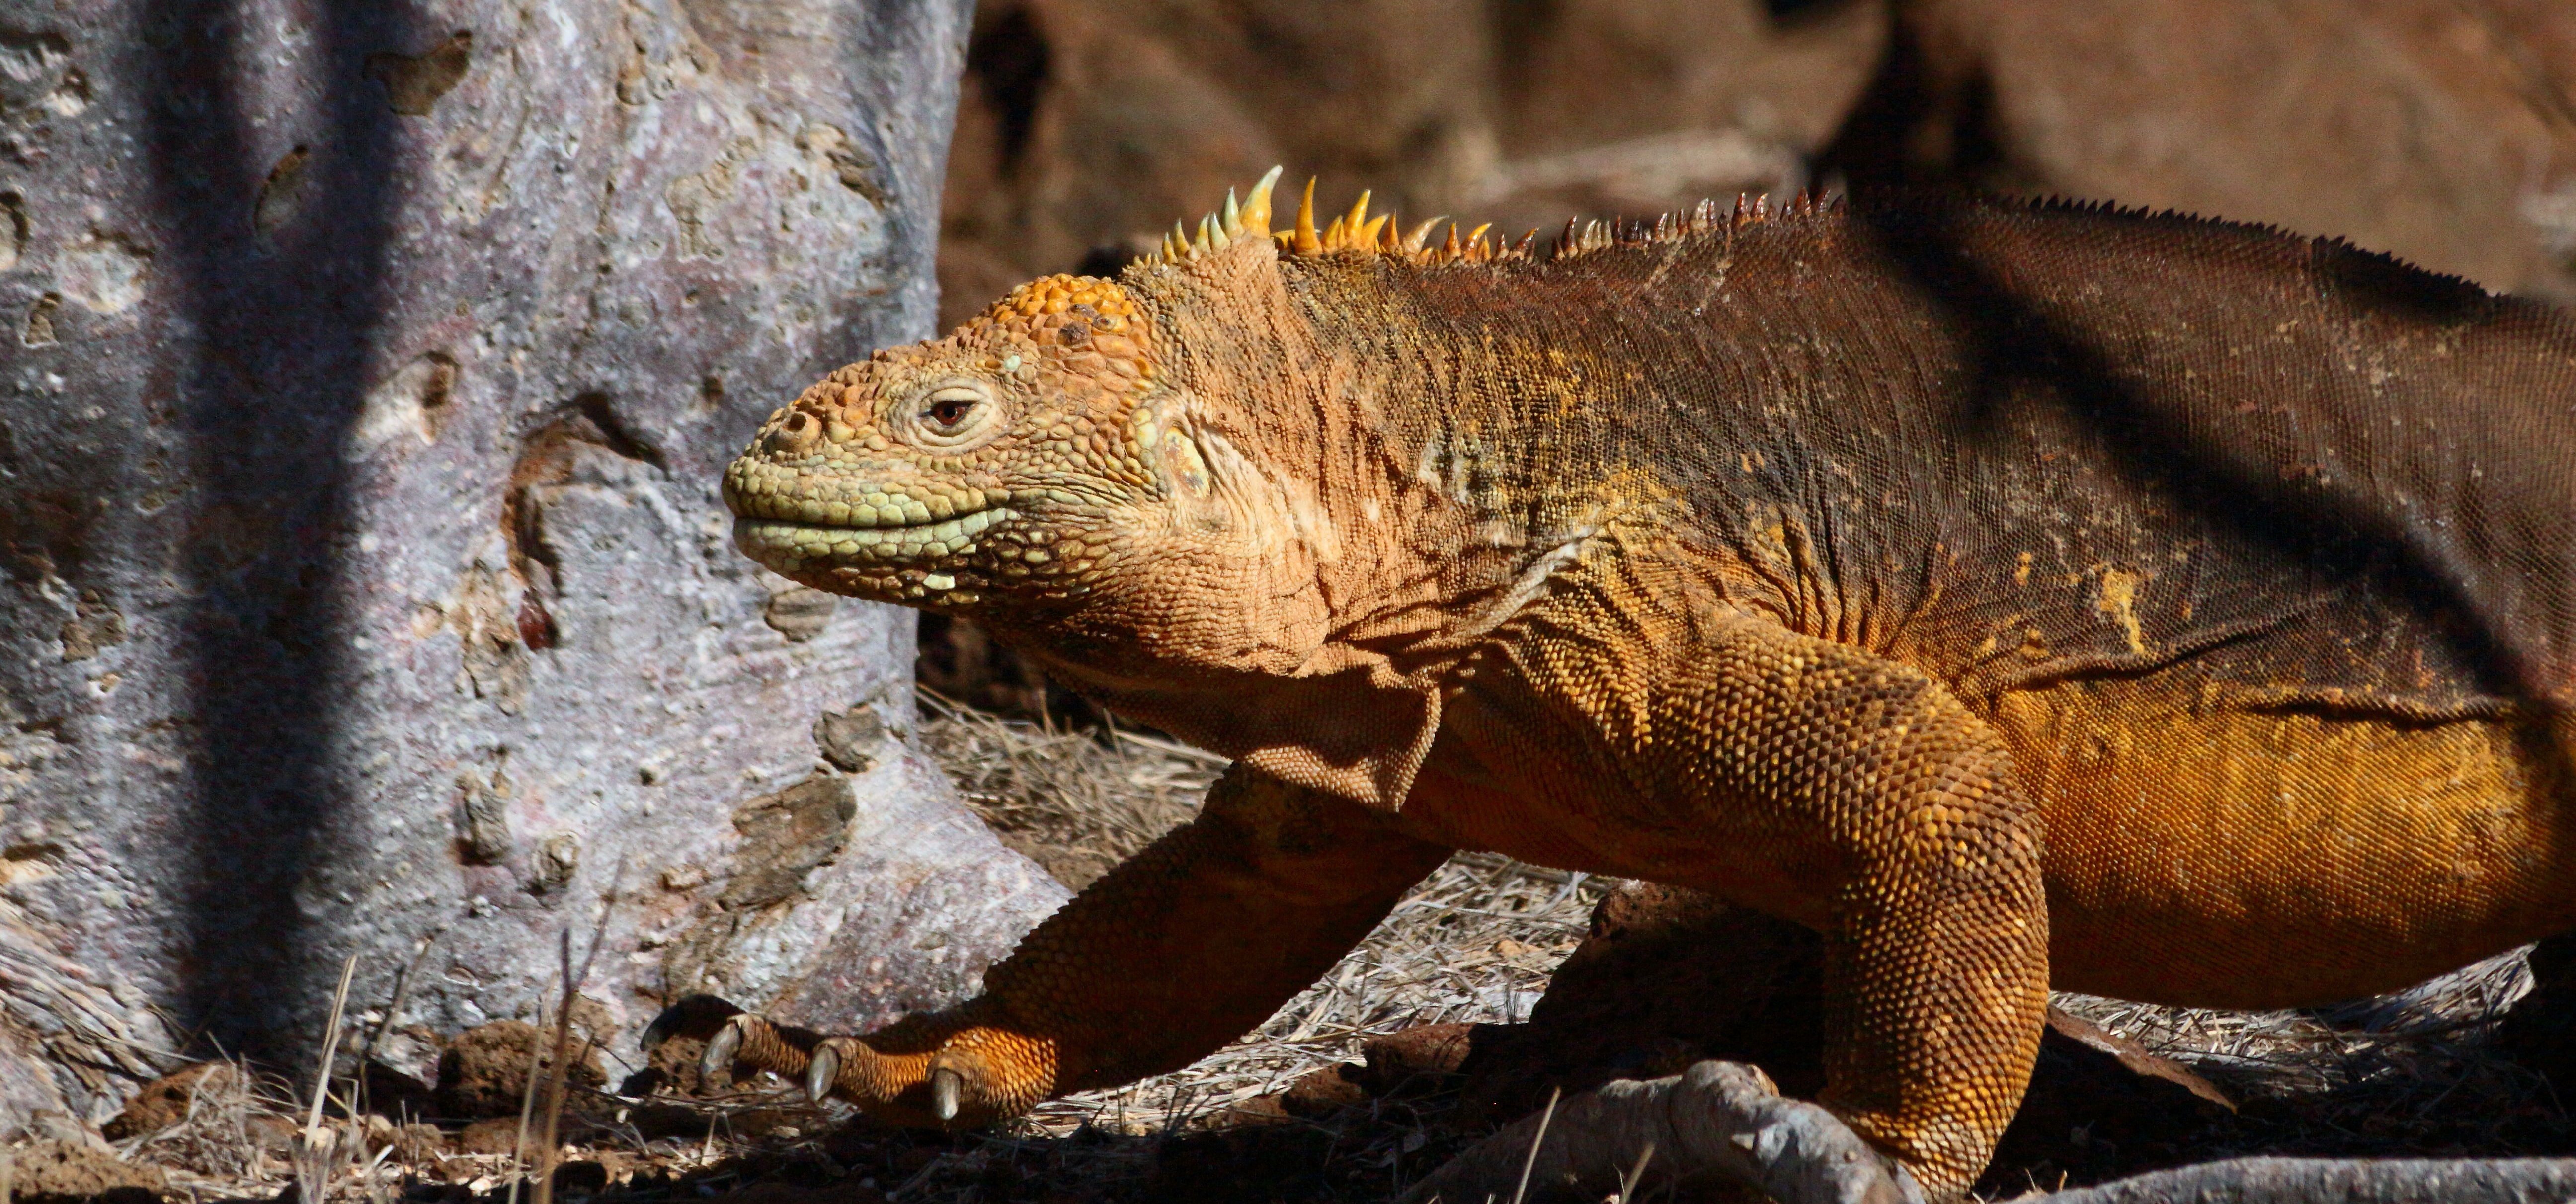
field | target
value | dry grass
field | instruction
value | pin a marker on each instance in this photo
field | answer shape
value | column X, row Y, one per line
column 2409, row 1073
column 1075, row 801
column 233, row 1140
column 1475, row 942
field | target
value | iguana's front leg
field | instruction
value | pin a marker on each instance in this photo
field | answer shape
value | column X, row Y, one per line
column 1178, row 950
column 1839, row 789
column 1936, row 969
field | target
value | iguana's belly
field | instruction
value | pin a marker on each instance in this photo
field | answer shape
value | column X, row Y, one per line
column 1534, row 828
column 2215, row 859
column 2234, row 858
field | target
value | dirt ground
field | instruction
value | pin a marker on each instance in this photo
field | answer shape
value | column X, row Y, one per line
column 1321, row 1104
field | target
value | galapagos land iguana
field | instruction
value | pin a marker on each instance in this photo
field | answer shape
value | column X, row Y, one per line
column 2016, row 594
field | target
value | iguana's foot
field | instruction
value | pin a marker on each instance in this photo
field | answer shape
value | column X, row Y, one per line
column 940, row 1071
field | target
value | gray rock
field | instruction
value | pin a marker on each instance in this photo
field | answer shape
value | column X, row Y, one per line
column 367, row 373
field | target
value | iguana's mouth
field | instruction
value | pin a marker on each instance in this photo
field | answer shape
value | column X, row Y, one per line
column 800, row 541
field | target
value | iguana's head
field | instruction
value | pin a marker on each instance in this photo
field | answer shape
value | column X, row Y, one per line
column 1059, row 455
column 1006, row 457
column 1031, row 458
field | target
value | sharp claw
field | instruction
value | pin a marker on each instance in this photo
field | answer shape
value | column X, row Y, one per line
column 694, row 1016
column 716, row 1065
column 822, row 1072
column 945, row 1084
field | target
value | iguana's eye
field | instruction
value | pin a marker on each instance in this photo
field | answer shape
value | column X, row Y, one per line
column 953, row 416
column 948, row 412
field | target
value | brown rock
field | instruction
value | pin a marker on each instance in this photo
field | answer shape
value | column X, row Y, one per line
column 496, row 1135
column 1085, row 124
column 1645, row 910
column 413, row 1143
column 1421, row 1057
column 164, row 1101
column 60, row 1171
column 1322, row 1092
column 1413, row 1060
column 672, row 1068
column 1315, row 1095
column 500, row 1135
column 2428, row 129
column 1422, row 1049
column 1271, row 1109
column 485, row 1071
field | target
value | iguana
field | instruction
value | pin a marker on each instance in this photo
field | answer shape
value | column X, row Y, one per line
column 2016, row 593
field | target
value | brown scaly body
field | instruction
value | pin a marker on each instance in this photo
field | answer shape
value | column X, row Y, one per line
column 2015, row 594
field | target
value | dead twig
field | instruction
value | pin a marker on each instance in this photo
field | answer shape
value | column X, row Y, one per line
column 2341, row 1181
column 527, row 1104
column 318, row 1148
column 1716, row 1116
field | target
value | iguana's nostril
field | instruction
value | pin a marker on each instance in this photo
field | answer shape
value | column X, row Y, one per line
column 798, row 433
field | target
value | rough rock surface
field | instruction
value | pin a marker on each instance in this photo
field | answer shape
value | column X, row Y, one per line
column 1089, row 124
column 57, row 1172
column 367, row 372
column 2442, row 131
column 491, row 1135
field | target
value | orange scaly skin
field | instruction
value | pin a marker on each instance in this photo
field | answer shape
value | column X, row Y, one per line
column 2014, row 594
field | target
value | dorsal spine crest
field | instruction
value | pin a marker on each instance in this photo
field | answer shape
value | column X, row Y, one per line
column 1357, row 233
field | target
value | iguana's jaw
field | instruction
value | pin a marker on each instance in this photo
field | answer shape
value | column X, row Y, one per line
column 923, row 543
column 908, row 562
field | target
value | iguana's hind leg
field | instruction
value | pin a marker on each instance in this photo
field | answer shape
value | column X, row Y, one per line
column 1182, row 948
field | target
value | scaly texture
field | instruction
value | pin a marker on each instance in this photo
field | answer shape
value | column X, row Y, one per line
column 2014, row 594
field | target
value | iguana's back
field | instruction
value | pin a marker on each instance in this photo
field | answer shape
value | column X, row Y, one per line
column 2260, row 552
column 2022, row 445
